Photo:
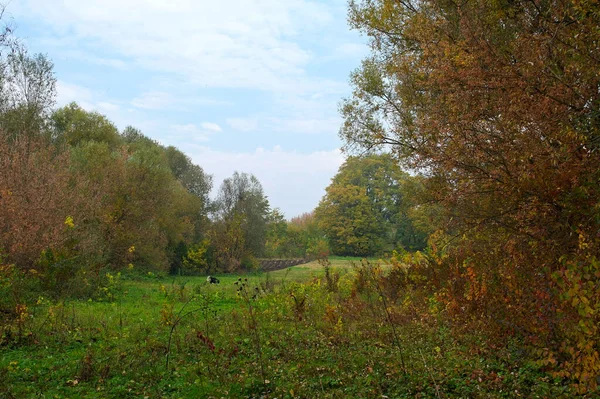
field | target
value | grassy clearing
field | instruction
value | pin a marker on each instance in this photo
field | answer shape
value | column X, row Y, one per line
column 285, row 334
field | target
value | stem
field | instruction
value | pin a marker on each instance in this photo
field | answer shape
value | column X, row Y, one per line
column 388, row 318
column 437, row 391
column 175, row 323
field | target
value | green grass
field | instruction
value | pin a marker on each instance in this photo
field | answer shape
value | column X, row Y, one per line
column 311, row 342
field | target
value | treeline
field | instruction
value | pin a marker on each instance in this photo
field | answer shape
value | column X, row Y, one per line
column 371, row 208
column 79, row 198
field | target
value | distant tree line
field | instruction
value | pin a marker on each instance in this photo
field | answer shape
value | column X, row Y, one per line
column 79, row 198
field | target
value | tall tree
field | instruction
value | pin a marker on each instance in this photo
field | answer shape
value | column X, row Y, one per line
column 190, row 175
column 499, row 104
column 27, row 92
column 241, row 211
column 365, row 209
column 73, row 125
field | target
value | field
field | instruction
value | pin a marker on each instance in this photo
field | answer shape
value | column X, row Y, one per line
column 291, row 333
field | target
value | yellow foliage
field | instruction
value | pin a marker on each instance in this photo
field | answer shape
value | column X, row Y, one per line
column 69, row 222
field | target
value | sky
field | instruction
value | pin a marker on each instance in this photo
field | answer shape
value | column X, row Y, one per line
column 246, row 85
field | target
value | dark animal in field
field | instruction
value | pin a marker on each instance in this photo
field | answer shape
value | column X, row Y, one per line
column 212, row 280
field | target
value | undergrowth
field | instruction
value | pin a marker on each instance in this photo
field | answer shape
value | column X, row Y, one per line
column 341, row 332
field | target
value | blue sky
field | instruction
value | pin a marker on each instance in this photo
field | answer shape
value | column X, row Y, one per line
column 247, row 85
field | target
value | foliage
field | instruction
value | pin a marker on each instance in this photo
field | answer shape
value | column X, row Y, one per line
column 497, row 103
column 365, row 210
column 240, row 220
column 35, row 199
column 299, row 237
column 77, row 199
column 297, row 339
column 277, row 234
column 196, row 259
column 73, row 126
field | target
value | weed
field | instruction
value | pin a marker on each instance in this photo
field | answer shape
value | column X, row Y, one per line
column 331, row 278
column 247, row 298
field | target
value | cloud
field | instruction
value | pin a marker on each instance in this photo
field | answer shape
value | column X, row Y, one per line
column 243, row 124
column 245, row 44
column 305, row 125
column 293, row 181
column 105, row 106
column 69, row 92
column 213, row 127
column 350, row 50
column 287, row 125
column 163, row 100
column 189, row 133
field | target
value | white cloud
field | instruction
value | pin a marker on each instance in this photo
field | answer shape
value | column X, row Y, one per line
column 68, row 93
column 350, row 50
column 288, row 125
column 163, row 100
column 153, row 100
column 189, row 132
column 105, row 106
column 213, row 127
column 305, row 125
column 241, row 44
column 243, row 124
column 293, row 181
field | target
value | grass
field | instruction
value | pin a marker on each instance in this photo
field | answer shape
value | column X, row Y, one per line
column 313, row 341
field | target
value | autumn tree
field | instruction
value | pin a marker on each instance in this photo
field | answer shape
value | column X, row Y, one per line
column 78, row 198
column 306, row 238
column 73, row 125
column 142, row 212
column 35, row 200
column 277, row 235
column 498, row 104
column 241, row 211
column 365, row 208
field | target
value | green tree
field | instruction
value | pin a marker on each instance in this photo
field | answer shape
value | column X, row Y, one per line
column 365, row 209
column 27, row 92
column 138, row 203
column 305, row 238
column 73, row 125
column 190, row 175
column 277, row 237
column 241, row 211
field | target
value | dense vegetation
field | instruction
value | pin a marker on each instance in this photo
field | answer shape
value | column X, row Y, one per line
column 295, row 333
column 490, row 285
column 365, row 210
column 497, row 103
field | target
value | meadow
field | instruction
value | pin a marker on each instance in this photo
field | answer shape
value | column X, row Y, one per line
column 319, row 330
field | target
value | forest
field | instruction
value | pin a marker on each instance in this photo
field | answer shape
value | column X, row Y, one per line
column 454, row 254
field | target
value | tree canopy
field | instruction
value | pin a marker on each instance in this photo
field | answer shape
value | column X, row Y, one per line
column 498, row 104
column 365, row 209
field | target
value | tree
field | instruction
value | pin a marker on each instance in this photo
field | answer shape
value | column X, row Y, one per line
column 365, row 209
column 498, row 104
column 73, row 125
column 305, row 238
column 241, row 211
column 35, row 200
column 138, row 204
column 191, row 176
column 27, row 92
column 277, row 237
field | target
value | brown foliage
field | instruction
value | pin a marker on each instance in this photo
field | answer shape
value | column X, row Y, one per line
column 498, row 102
column 34, row 199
